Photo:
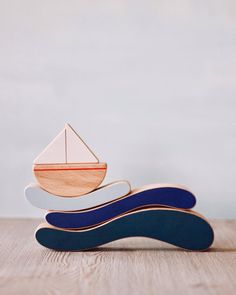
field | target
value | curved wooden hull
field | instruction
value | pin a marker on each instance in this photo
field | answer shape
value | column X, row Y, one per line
column 70, row 180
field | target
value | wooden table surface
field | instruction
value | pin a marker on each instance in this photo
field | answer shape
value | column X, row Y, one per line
column 129, row 266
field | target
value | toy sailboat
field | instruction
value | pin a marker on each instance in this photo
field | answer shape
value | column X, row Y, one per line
column 67, row 167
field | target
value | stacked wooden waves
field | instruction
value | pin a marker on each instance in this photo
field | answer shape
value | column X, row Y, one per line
column 83, row 215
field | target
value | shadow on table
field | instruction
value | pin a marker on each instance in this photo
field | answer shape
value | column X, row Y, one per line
column 169, row 249
column 221, row 250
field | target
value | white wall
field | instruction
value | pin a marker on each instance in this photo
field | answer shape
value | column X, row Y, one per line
column 150, row 85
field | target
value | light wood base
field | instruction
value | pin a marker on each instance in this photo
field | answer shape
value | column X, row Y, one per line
column 70, row 180
column 128, row 266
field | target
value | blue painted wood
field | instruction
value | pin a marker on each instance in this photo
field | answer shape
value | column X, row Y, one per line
column 184, row 229
column 165, row 196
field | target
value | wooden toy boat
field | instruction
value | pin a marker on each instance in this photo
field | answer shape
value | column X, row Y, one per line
column 67, row 167
column 185, row 229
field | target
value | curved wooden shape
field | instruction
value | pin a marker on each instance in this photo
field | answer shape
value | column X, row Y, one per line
column 184, row 229
column 70, row 180
column 162, row 196
column 42, row 199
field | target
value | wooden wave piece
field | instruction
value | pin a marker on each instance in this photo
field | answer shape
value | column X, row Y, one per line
column 67, row 167
column 184, row 229
column 146, row 197
column 44, row 200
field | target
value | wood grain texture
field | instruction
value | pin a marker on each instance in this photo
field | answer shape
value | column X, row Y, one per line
column 129, row 266
column 70, row 180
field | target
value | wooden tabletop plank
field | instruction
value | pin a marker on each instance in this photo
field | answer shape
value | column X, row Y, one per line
column 129, row 266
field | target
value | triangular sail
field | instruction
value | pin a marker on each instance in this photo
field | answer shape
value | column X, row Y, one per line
column 76, row 149
column 55, row 152
column 67, row 147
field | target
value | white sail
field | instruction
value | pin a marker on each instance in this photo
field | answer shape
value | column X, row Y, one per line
column 67, row 147
column 76, row 149
column 55, row 152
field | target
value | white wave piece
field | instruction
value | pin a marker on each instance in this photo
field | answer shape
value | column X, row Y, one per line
column 104, row 194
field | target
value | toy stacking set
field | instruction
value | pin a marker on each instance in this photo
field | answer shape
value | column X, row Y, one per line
column 84, row 215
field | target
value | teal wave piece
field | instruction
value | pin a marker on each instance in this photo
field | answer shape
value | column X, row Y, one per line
column 184, row 229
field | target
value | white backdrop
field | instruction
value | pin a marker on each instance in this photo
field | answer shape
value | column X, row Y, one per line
column 149, row 85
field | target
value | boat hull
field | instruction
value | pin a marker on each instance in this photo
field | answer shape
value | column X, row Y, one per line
column 70, row 180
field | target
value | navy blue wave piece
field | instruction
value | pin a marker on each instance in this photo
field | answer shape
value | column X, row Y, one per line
column 165, row 196
column 184, row 229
